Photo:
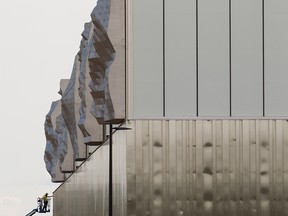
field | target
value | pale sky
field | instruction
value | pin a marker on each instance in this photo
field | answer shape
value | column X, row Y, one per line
column 38, row 42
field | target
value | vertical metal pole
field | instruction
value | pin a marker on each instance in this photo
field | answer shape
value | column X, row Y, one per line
column 110, row 172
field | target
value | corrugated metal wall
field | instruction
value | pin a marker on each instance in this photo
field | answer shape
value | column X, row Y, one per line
column 207, row 167
column 85, row 192
column 185, row 167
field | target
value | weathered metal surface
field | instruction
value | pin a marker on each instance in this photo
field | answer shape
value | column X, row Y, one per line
column 185, row 167
column 207, row 167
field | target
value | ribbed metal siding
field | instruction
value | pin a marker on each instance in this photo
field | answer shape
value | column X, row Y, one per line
column 185, row 167
column 85, row 192
column 207, row 167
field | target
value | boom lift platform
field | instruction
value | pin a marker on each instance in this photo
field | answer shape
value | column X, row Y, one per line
column 39, row 209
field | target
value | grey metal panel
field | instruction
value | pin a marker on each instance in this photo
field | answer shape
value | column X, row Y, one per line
column 207, row 168
column 147, row 33
column 213, row 58
column 139, row 166
column 119, row 174
column 264, row 166
column 233, row 167
column 219, row 167
column 225, row 167
column 180, row 58
column 285, row 167
column 246, row 58
column 172, row 168
column 276, row 64
column 131, row 173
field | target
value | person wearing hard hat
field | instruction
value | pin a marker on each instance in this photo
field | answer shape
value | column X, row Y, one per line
column 45, row 201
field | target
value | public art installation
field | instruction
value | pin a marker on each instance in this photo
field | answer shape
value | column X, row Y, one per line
column 56, row 146
column 86, row 103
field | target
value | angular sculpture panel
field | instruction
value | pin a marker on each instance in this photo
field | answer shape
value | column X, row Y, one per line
column 68, row 165
column 91, row 130
column 95, row 93
column 56, row 146
column 70, row 111
column 101, row 57
column 108, row 78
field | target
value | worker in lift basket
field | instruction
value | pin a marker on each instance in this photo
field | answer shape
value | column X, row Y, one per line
column 45, row 200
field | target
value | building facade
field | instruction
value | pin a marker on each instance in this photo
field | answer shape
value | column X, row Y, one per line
column 202, row 87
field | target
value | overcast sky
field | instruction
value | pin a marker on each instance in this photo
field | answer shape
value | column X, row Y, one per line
column 38, row 42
